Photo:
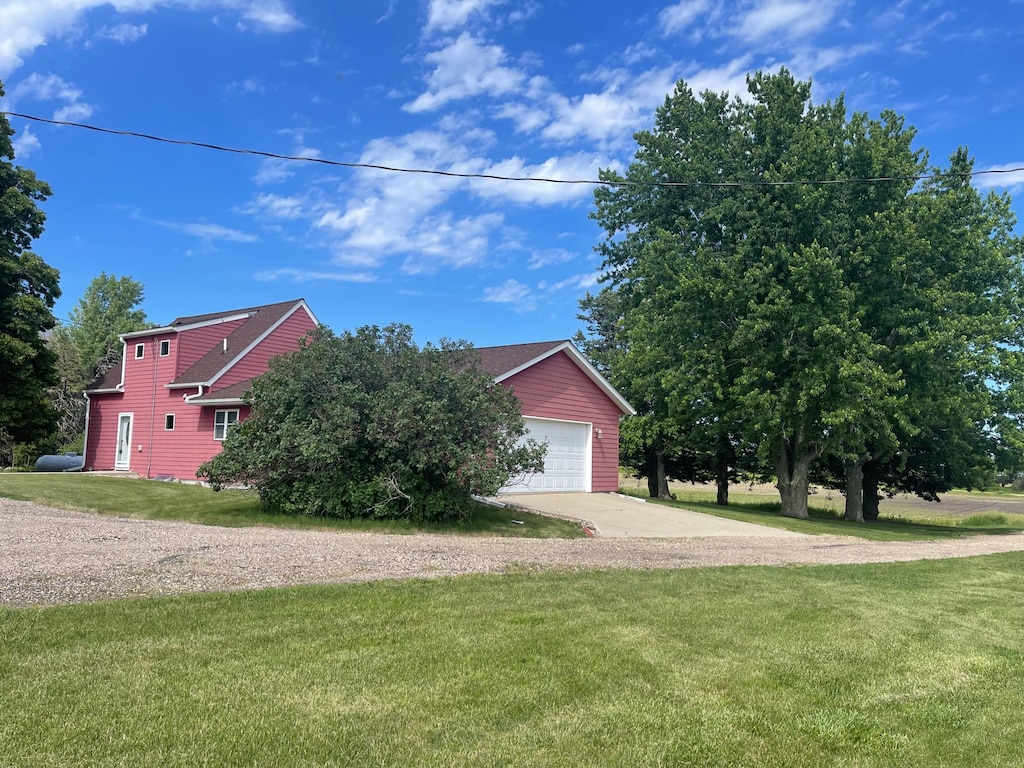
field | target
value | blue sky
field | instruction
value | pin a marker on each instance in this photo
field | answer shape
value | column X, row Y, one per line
column 539, row 88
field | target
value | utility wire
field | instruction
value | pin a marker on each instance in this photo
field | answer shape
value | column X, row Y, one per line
column 497, row 177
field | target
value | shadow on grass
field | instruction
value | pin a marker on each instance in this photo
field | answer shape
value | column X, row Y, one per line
column 829, row 521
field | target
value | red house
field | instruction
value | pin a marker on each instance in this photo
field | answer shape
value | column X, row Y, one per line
column 178, row 390
column 570, row 406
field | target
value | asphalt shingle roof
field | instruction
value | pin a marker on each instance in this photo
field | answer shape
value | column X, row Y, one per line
column 498, row 361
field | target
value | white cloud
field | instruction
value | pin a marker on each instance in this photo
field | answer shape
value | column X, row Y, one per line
column 204, row 230
column 249, row 85
column 578, row 166
column 527, row 118
column 575, row 282
column 123, row 33
column 511, row 292
column 1009, row 177
column 785, row 18
column 446, row 15
column 28, row 24
column 626, row 103
column 25, row 143
column 274, row 170
column 545, row 258
column 466, row 68
column 50, row 87
column 277, row 207
column 307, row 276
column 677, row 18
column 731, row 77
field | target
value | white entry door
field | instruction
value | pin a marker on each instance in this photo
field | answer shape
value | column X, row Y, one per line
column 123, row 456
column 567, row 462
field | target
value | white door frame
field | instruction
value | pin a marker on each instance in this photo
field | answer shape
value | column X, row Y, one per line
column 123, row 446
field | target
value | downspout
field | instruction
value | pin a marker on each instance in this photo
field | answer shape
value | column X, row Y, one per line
column 85, row 439
column 152, row 407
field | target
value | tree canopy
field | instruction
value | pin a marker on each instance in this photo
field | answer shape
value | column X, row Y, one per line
column 28, row 289
column 798, row 316
column 367, row 424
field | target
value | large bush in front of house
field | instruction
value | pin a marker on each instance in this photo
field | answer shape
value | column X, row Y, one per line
column 367, row 424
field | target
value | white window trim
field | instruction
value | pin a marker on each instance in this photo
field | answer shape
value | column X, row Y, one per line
column 227, row 425
column 165, row 344
column 171, row 417
column 140, row 351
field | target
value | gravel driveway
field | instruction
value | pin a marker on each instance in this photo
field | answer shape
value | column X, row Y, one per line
column 53, row 556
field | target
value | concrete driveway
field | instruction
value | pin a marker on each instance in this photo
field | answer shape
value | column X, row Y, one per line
column 616, row 516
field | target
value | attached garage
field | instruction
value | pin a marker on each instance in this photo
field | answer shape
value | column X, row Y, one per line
column 567, row 463
column 568, row 405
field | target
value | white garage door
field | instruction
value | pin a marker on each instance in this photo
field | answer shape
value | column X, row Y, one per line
column 565, row 465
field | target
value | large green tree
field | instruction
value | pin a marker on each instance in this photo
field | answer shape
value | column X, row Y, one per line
column 88, row 345
column 110, row 306
column 786, row 311
column 367, row 424
column 28, row 289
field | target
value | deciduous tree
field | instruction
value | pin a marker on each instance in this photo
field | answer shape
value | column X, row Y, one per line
column 28, row 289
column 367, row 424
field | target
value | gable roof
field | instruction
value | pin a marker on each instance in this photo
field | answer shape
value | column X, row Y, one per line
column 259, row 322
column 506, row 361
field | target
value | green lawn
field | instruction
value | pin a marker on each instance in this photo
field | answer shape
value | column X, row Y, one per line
column 153, row 500
column 914, row 664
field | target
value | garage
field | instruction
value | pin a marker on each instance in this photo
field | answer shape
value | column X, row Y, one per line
column 565, row 465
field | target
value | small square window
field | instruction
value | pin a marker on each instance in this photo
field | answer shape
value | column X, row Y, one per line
column 165, row 348
column 169, row 421
column 140, row 350
column 223, row 421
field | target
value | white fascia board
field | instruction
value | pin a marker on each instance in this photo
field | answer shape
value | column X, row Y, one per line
column 222, row 401
column 187, row 385
column 583, row 364
column 257, row 341
column 305, row 306
column 148, row 332
column 109, row 391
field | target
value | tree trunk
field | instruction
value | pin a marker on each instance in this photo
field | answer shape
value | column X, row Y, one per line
column 792, row 470
column 657, row 482
column 725, row 459
column 855, row 491
column 723, row 484
column 871, row 497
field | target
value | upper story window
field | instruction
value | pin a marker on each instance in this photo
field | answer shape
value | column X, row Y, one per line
column 140, row 350
column 165, row 348
column 223, row 421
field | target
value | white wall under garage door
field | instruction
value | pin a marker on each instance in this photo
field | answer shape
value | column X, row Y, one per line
column 567, row 463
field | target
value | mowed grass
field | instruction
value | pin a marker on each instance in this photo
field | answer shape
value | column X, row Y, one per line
column 881, row 665
column 153, row 500
column 761, row 509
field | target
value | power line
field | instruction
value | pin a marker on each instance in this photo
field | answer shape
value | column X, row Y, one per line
column 497, row 177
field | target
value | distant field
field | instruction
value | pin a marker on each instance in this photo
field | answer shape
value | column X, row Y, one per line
column 956, row 503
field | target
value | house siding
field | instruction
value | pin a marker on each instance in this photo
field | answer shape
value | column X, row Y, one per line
column 285, row 338
column 556, row 388
column 178, row 452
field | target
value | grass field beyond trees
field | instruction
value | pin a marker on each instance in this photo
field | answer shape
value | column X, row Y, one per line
column 882, row 665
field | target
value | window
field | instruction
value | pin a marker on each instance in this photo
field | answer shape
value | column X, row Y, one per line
column 222, row 422
column 165, row 348
column 140, row 350
column 169, row 422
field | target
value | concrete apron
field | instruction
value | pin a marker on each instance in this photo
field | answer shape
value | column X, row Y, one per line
column 614, row 516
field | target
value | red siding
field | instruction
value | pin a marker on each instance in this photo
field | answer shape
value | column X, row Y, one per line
column 556, row 388
column 285, row 338
column 177, row 452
